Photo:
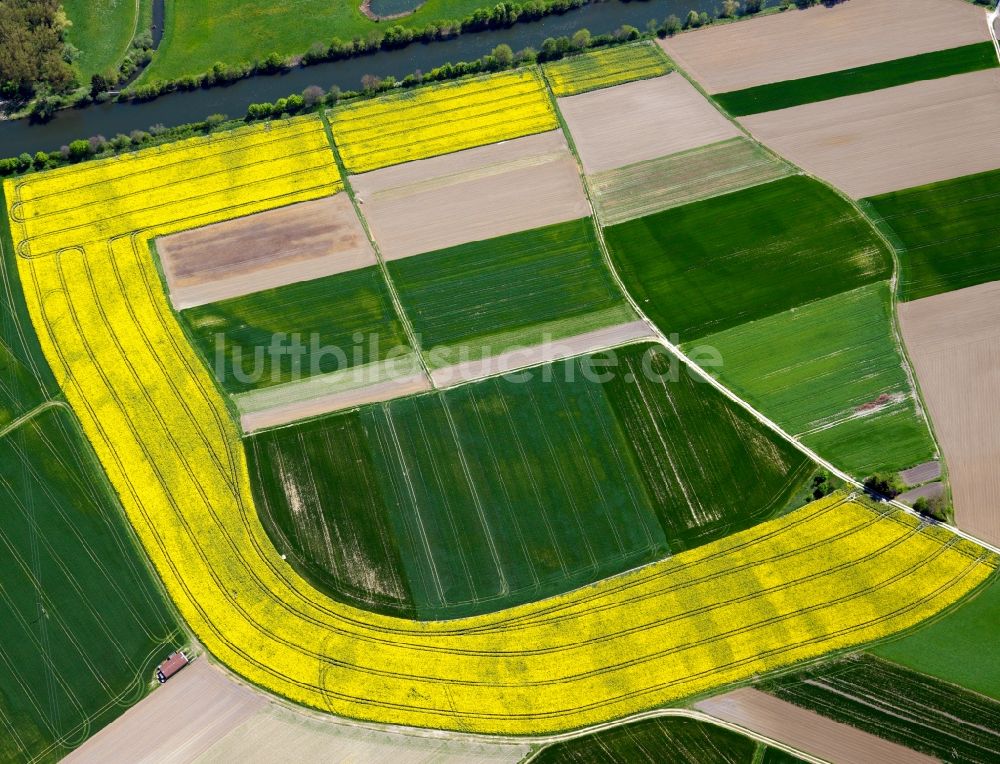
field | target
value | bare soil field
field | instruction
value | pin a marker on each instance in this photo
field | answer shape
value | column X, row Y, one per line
column 176, row 722
column 269, row 249
column 204, row 715
column 795, row 44
column 278, row 734
column 323, row 394
column 954, row 342
column 805, row 730
column 921, row 473
column 521, row 358
column 894, row 138
column 478, row 193
column 642, row 120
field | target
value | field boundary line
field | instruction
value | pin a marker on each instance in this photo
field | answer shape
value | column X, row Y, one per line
column 397, row 304
column 135, row 32
column 901, row 345
column 991, row 17
column 434, row 733
column 918, row 396
column 704, row 375
column 27, row 417
column 683, row 713
column 92, row 342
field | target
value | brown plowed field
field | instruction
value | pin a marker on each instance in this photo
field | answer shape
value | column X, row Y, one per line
column 805, row 730
column 282, row 246
column 472, row 195
column 954, row 342
column 642, row 120
column 894, row 138
column 795, row 44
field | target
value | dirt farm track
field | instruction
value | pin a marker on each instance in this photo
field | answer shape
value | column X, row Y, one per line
column 895, row 138
column 625, row 124
column 838, row 573
column 269, row 249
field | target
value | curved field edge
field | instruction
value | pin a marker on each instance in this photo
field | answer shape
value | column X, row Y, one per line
column 163, row 434
column 785, row 242
column 897, row 704
column 25, row 378
column 62, row 531
column 969, row 629
column 944, row 233
column 500, row 492
column 85, row 620
column 830, row 373
column 678, row 739
column 862, row 210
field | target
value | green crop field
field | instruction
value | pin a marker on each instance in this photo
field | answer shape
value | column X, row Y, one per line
column 721, row 262
column 862, row 79
column 200, row 32
column 669, row 739
column 896, row 435
column 84, row 624
column 103, row 30
column 830, row 372
column 485, row 297
column 334, row 527
column 25, row 379
column 658, row 184
column 503, row 491
column 959, row 647
column 916, row 711
column 947, row 233
column 606, row 67
column 326, row 314
column 696, row 450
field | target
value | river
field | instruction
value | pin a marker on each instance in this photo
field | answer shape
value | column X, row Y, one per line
column 109, row 119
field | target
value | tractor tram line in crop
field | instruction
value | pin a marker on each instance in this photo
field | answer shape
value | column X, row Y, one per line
column 164, row 433
column 76, row 318
column 178, row 447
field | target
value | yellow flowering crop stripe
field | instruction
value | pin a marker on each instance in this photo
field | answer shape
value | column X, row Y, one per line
column 429, row 121
column 832, row 575
column 174, row 186
column 606, row 67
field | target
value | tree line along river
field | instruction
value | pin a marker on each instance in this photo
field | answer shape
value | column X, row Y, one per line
column 111, row 118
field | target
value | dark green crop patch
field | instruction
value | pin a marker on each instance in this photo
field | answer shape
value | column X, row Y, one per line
column 862, row 79
column 721, row 262
column 947, row 233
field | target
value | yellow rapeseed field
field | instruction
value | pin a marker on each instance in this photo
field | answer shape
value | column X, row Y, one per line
column 834, row 574
column 605, row 67
column 429, row 121
column 174, row 186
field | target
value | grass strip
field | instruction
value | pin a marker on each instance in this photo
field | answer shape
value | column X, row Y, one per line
column 861, row 79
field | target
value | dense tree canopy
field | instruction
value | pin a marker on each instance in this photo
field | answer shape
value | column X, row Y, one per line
column 32, row 51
